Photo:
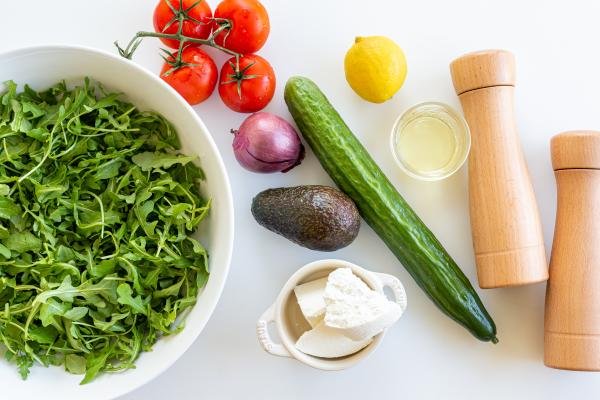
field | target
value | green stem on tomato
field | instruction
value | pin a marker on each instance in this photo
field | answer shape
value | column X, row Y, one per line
column 182, row 16
column 128, row 51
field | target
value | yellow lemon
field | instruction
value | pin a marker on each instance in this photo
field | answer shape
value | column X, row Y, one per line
column 375, row 68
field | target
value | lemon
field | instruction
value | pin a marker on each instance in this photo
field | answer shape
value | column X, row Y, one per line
column 375, row 68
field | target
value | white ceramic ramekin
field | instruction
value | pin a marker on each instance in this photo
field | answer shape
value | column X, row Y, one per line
column 290, row 323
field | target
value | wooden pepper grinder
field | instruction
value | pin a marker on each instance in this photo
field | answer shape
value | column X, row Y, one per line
column 572, row 319
column 507, row 234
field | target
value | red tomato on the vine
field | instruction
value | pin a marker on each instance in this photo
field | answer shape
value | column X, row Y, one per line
column 250, row 88
column 249, row 25
column 196, row 79
column 197, row 25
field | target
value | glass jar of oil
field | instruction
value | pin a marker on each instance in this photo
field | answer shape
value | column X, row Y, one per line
column 430, row 141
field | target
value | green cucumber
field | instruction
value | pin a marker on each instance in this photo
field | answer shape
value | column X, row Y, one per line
column 383, row 208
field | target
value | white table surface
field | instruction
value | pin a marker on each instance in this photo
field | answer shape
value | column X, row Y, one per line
column 426, row 355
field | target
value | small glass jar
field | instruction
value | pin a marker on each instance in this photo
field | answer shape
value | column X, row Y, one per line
column 430, row 141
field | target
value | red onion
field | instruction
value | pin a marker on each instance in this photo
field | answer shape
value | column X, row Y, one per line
column 267, row 143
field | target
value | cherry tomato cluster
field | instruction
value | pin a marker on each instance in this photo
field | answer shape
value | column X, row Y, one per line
column 237, row 27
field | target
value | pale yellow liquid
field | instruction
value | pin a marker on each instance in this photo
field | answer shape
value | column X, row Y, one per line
column 427, row 144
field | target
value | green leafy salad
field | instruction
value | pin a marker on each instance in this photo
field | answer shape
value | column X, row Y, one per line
column 96, row 212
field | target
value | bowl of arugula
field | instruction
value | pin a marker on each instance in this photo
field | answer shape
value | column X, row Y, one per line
column 116, row 224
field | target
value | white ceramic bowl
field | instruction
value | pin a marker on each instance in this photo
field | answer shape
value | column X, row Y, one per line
column 291, row 324
column 43, row 66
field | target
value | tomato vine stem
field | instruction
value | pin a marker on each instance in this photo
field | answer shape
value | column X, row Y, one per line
column 180, row 16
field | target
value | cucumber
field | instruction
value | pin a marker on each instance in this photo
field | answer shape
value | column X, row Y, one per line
column 383, row 208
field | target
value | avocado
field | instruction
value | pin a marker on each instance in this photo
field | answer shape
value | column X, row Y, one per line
column 314, row 216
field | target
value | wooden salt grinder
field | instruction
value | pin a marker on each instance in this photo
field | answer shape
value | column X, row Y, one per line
column 572, row 319
column 507, row 234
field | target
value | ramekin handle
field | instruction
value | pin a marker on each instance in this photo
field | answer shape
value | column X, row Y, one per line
column 262, row 331
column 396, row 286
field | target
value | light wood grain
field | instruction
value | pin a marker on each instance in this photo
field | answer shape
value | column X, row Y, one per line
column 505, row 224
column 576, row 149
column 572, row 318
column 481, row 69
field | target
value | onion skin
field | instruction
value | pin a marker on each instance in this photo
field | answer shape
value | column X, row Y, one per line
column 267, row 143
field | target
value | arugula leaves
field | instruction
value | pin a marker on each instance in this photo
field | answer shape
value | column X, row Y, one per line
column 96, row 212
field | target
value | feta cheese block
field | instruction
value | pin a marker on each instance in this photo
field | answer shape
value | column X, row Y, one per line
column 355, row 310
column 311, row 301
column 326, row 342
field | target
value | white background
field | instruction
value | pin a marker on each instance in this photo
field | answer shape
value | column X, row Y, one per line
column 425, row 355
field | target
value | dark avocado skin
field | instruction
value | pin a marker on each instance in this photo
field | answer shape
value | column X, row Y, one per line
column 314, row 216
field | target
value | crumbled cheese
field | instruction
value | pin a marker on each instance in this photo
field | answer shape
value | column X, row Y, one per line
column 344, row 312
column 350, row 302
